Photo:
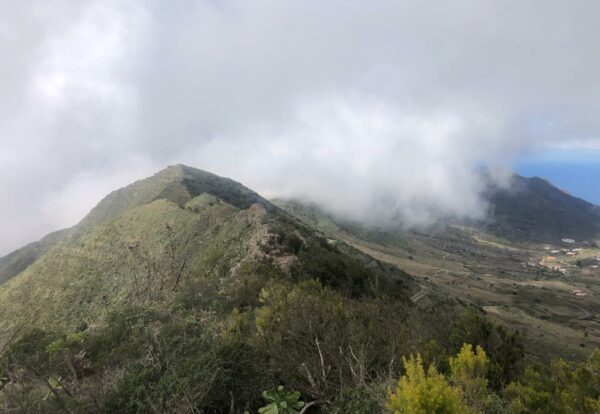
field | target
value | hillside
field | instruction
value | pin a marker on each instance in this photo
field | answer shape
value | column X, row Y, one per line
column 188, row 292
column 181, row 221
column 177, row 183
column 535, row 210
column 187, row 263
column 14, row 263
column 523, row 284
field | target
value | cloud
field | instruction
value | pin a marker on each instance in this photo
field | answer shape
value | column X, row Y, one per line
column 365, row 160
column 377, row 110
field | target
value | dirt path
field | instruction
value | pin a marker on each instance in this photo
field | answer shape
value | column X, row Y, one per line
column 420, row 294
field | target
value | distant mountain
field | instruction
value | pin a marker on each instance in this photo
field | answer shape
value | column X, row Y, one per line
column 533, row 209
column 498, row 264
column 528, row 209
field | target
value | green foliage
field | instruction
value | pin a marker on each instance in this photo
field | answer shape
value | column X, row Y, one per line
column 187, row 368
column 504, row 349
column 30, row 377
column 468, row 370
column 334, row 264
column 558, row 388
column 363, row 399
column 164, row 362
column 324, row 262
column 323, row 343
column 281, row 401
column 425, row 392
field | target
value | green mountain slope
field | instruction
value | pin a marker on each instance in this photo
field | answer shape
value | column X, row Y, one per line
column 17, row 261
column 176, row 183
column 181, row 224
column 187, row 292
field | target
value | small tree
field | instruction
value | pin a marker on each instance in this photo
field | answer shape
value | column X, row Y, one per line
column 421, row 392
column 468, row 370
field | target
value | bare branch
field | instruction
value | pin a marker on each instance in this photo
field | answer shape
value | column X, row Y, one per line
column 313, row 403
column 322, row 362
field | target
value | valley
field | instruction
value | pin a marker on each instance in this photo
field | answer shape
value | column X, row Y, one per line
column 554, row 305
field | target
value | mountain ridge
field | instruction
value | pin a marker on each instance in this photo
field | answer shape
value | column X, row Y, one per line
column 531, row 208
column 179, row 220
column 178, row 183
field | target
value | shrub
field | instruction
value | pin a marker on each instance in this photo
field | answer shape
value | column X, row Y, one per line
column 558, row 388
column 425, row 392
column 468, row 370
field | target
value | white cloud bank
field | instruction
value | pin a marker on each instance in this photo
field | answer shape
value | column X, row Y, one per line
column 378, row 110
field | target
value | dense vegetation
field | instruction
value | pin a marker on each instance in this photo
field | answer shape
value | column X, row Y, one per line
column 201, row 357
column 190, row 304
column 342, row 353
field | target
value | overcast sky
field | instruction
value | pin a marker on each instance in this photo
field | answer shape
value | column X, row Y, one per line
column 375, row 109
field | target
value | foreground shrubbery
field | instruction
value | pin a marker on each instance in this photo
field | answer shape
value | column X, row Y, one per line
column 558, row 388
column 339, row 352
column 145, row 360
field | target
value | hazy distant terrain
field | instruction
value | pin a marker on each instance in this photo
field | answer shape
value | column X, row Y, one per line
column 532, row 209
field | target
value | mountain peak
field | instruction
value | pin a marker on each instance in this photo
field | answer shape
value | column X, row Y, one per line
column 534, row 209
column 178, row 183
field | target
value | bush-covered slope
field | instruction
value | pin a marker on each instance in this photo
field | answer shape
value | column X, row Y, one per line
column 193, row 294
column 177, row 183
column 17, row 261
column 109, row 264
column 148, row 252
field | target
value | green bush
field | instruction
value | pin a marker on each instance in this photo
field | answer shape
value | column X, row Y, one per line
column 560, row 387
column 422, row 391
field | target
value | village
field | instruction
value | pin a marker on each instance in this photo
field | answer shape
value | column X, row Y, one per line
column 581, row 257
